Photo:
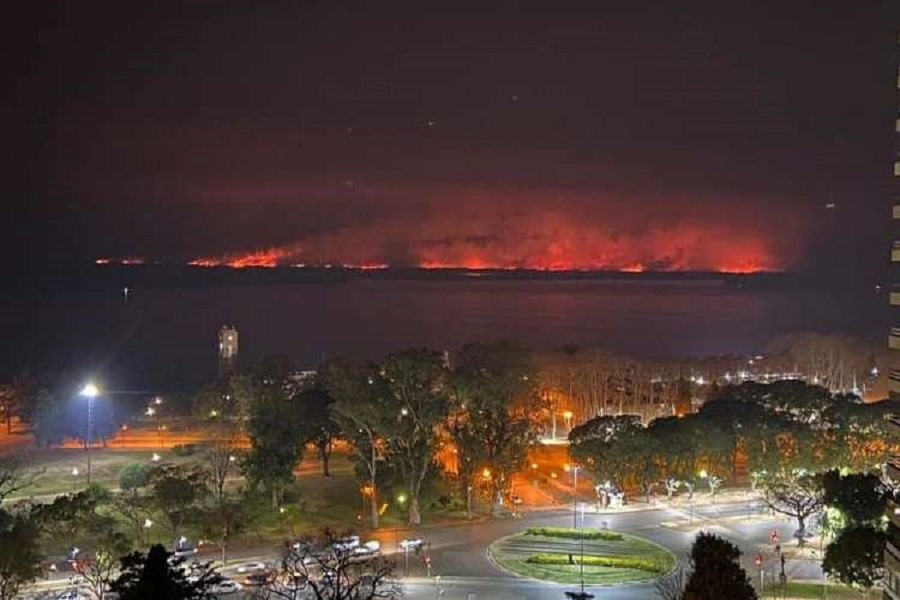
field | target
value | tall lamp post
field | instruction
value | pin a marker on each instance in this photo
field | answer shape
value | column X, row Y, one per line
column 574, row 469
column 401, row 500
column 90, row 392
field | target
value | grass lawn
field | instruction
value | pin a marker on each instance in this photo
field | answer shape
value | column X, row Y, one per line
column 812, row 589
column 513, row 553
column 54, row 474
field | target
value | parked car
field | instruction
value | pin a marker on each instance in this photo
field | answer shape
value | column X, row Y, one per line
column 71, row 595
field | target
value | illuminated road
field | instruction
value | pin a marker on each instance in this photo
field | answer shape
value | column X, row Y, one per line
column 459, row 552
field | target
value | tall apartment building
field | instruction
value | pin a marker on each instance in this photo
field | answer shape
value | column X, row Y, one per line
column 228, row 350
column 892, row 549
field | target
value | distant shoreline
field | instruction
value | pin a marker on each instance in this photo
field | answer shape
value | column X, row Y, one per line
column 177, row 275
column 52, row 277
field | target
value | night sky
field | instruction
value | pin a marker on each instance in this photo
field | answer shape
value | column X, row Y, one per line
column 615, row 135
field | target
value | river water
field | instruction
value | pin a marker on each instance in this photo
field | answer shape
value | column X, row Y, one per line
column 166, row 335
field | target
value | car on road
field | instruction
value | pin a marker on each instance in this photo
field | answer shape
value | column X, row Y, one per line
column 252, row 567
column 346, row 544
column 184, row 551
column 71, row 595
column 411, row 544
column 226, row 586
column 369, row 548
column 260, row 578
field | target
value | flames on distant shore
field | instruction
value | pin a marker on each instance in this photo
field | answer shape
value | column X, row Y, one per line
column 672, row 250
column 528, row 230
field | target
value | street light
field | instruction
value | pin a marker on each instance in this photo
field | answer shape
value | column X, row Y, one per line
column 690, row 485
column 568, row 417
column 90, row 392
column 401, row 500
column 574, row 469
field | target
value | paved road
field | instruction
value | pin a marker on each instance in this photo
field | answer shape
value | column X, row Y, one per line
column 459, row 552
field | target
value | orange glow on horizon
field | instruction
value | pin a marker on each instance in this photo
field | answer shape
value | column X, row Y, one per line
column 546, row 242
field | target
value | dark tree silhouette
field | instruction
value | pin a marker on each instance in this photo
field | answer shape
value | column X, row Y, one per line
column 717, row 573
column 154, row 577
column 332, row 574
column 856, row 557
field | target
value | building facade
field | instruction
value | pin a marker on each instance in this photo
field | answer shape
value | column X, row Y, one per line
column 892, row 548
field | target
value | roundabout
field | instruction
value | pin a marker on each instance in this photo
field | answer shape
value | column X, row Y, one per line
column 596, row 557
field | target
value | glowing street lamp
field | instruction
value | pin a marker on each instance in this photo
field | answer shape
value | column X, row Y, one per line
column 89, row 391
column 568, row 417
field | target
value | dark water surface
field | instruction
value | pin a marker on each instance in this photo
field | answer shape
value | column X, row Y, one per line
column 166, row 335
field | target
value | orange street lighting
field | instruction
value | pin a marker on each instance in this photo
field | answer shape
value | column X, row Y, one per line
column 486, row 473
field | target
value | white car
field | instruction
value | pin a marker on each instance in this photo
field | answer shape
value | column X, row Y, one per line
column 252, row 567
column 411, row 544
column 71, row 595
column 183, row 552
column 346, row 544
column 372, row 547
column 226, row 586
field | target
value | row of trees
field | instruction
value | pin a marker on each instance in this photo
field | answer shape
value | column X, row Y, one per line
column 776, row 435
column 593, row 381
column 396, row 415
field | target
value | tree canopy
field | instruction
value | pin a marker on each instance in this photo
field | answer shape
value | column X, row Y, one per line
column 716, row 573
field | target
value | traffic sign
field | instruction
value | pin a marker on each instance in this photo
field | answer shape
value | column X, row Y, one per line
column 758, row 559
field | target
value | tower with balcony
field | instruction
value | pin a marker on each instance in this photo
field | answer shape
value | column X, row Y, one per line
column 228, row 350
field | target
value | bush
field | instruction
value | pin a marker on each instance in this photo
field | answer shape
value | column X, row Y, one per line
column 134, row 476
column 614, row 562
column 184, row 449
column 575, row 534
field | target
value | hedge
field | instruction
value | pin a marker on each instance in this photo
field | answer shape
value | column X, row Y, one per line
column 563, row 532
column 615, row 562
